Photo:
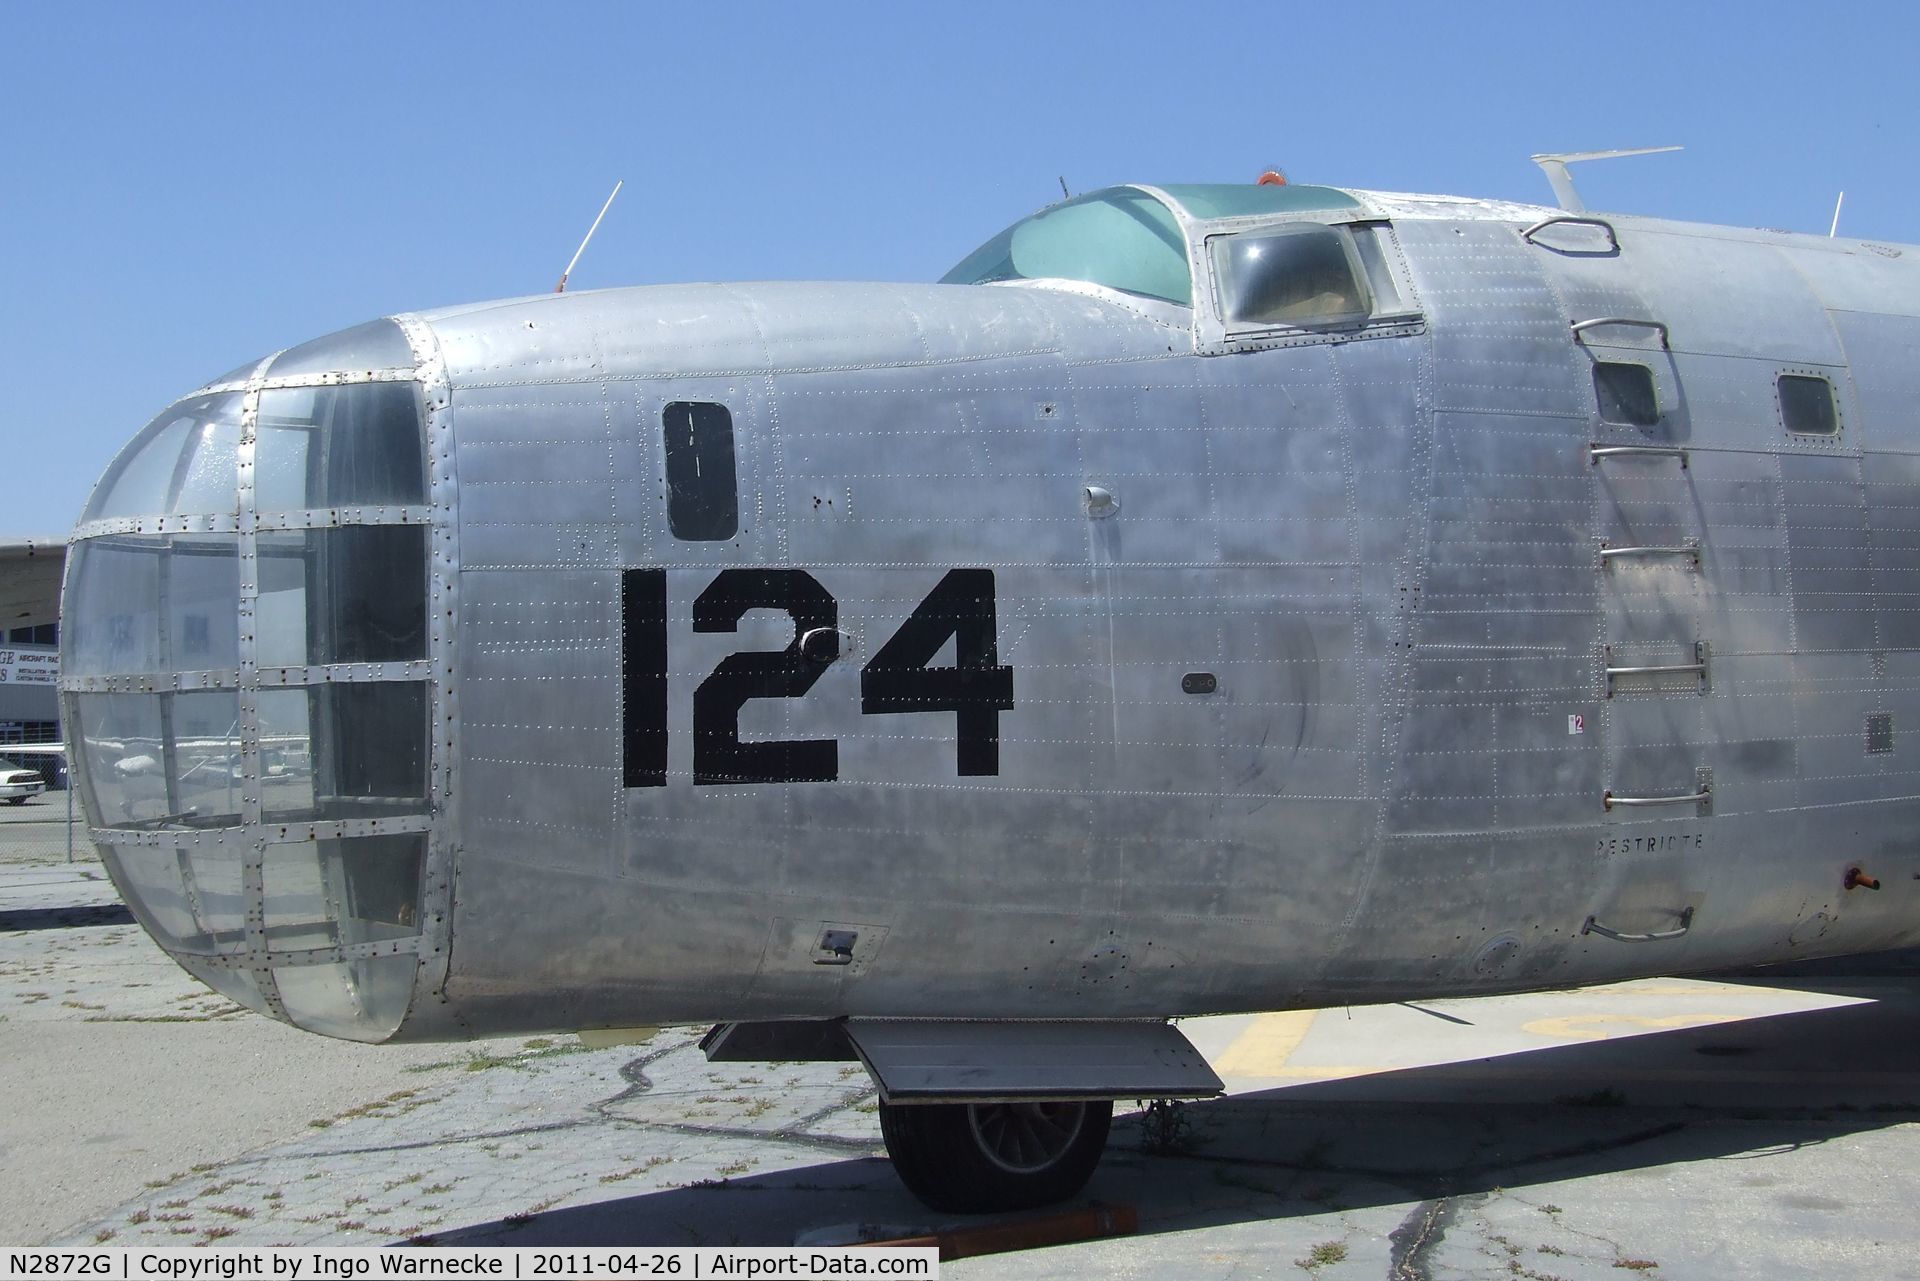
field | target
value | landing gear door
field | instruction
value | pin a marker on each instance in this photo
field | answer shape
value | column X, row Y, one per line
column 941, row 1061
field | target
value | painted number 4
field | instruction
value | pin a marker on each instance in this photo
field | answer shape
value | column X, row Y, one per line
column 976, row 689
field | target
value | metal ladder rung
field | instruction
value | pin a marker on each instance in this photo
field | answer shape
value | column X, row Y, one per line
column 1703, row 796
column 1580, row 327
column 1593, row 926
column 1697, row 668
column 1700, row 666
column 1689, row 549
column 1597, row 451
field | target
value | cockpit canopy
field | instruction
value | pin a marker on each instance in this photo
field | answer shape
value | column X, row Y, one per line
column 1121, row 238
column 1131, row 239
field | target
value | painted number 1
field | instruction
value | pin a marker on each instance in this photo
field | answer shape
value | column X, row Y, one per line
column 976, row 689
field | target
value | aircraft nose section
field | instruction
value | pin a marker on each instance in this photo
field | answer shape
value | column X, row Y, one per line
column 327, row 941
column 248, row 682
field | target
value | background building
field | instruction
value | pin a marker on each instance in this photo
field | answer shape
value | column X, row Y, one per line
column 30, row 572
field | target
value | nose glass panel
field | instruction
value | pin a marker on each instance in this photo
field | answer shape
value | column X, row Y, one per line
column 152, row 604
column 339, row 446
column 183, row 461
column 348, row 595
column 376, row 345
column 252, row 702
column 343, row 752
column 358, row 897
column 353, row 899
column 190, row 899
column 161, row 760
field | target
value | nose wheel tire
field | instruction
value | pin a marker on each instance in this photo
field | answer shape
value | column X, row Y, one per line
column 980, row 1158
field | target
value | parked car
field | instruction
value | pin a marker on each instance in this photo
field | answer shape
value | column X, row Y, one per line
column 50, row 759
column 19, row 782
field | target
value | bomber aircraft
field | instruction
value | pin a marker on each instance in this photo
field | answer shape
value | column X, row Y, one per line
column 1206, row 598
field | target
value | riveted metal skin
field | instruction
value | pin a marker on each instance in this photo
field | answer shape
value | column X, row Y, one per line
column 1410, row 555
column 430, row 1016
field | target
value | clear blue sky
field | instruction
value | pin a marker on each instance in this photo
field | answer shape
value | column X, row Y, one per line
column 187, row 186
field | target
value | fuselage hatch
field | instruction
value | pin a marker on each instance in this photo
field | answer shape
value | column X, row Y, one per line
column 1207, row 598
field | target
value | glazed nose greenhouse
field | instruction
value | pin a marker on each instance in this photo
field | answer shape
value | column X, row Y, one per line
column 248, row 679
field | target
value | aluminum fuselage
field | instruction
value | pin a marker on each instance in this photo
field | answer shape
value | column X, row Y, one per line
column 1286, row 655
column 1386, row 550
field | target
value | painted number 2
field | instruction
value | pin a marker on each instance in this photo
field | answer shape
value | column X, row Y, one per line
column 976, row 689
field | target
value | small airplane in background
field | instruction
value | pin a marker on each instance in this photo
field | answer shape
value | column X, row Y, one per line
column 1206, row 598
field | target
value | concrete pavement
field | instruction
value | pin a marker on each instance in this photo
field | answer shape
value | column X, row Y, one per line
column 1676, row 1128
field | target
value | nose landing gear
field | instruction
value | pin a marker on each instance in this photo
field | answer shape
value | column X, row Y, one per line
column 979, row 1158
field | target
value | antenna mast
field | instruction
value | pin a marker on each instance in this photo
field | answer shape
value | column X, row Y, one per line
column 1554, row 165
column 1834, row 230
column 561, row 288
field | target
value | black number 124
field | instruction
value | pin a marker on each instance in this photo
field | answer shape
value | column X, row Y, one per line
column 976, row 689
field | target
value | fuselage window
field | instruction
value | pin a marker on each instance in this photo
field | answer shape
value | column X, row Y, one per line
column 703, row 504
column 1626, row 393
column 1306, row 275
column 1806, row 405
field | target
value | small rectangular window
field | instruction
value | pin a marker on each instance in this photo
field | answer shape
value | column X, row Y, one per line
column 1626, row 393
column 702, row 505
column 1806, row 405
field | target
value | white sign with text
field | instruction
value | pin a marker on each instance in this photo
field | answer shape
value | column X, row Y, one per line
column 29, row 667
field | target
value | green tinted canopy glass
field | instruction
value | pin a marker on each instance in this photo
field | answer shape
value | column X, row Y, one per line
column 1121, row 238
column 1247, row 200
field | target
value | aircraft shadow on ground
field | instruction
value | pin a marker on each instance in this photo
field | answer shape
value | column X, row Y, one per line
column 63, row 918
column 1752, row 1089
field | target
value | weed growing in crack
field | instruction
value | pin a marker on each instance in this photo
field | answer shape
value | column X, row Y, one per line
column 1324, row 1255
column 1166, row 1129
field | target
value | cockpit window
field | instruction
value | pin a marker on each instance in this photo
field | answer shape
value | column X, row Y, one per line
column 1119, row 238
column 1304, row 275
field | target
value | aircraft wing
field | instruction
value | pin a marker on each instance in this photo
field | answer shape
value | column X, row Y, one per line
column 30, row 570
